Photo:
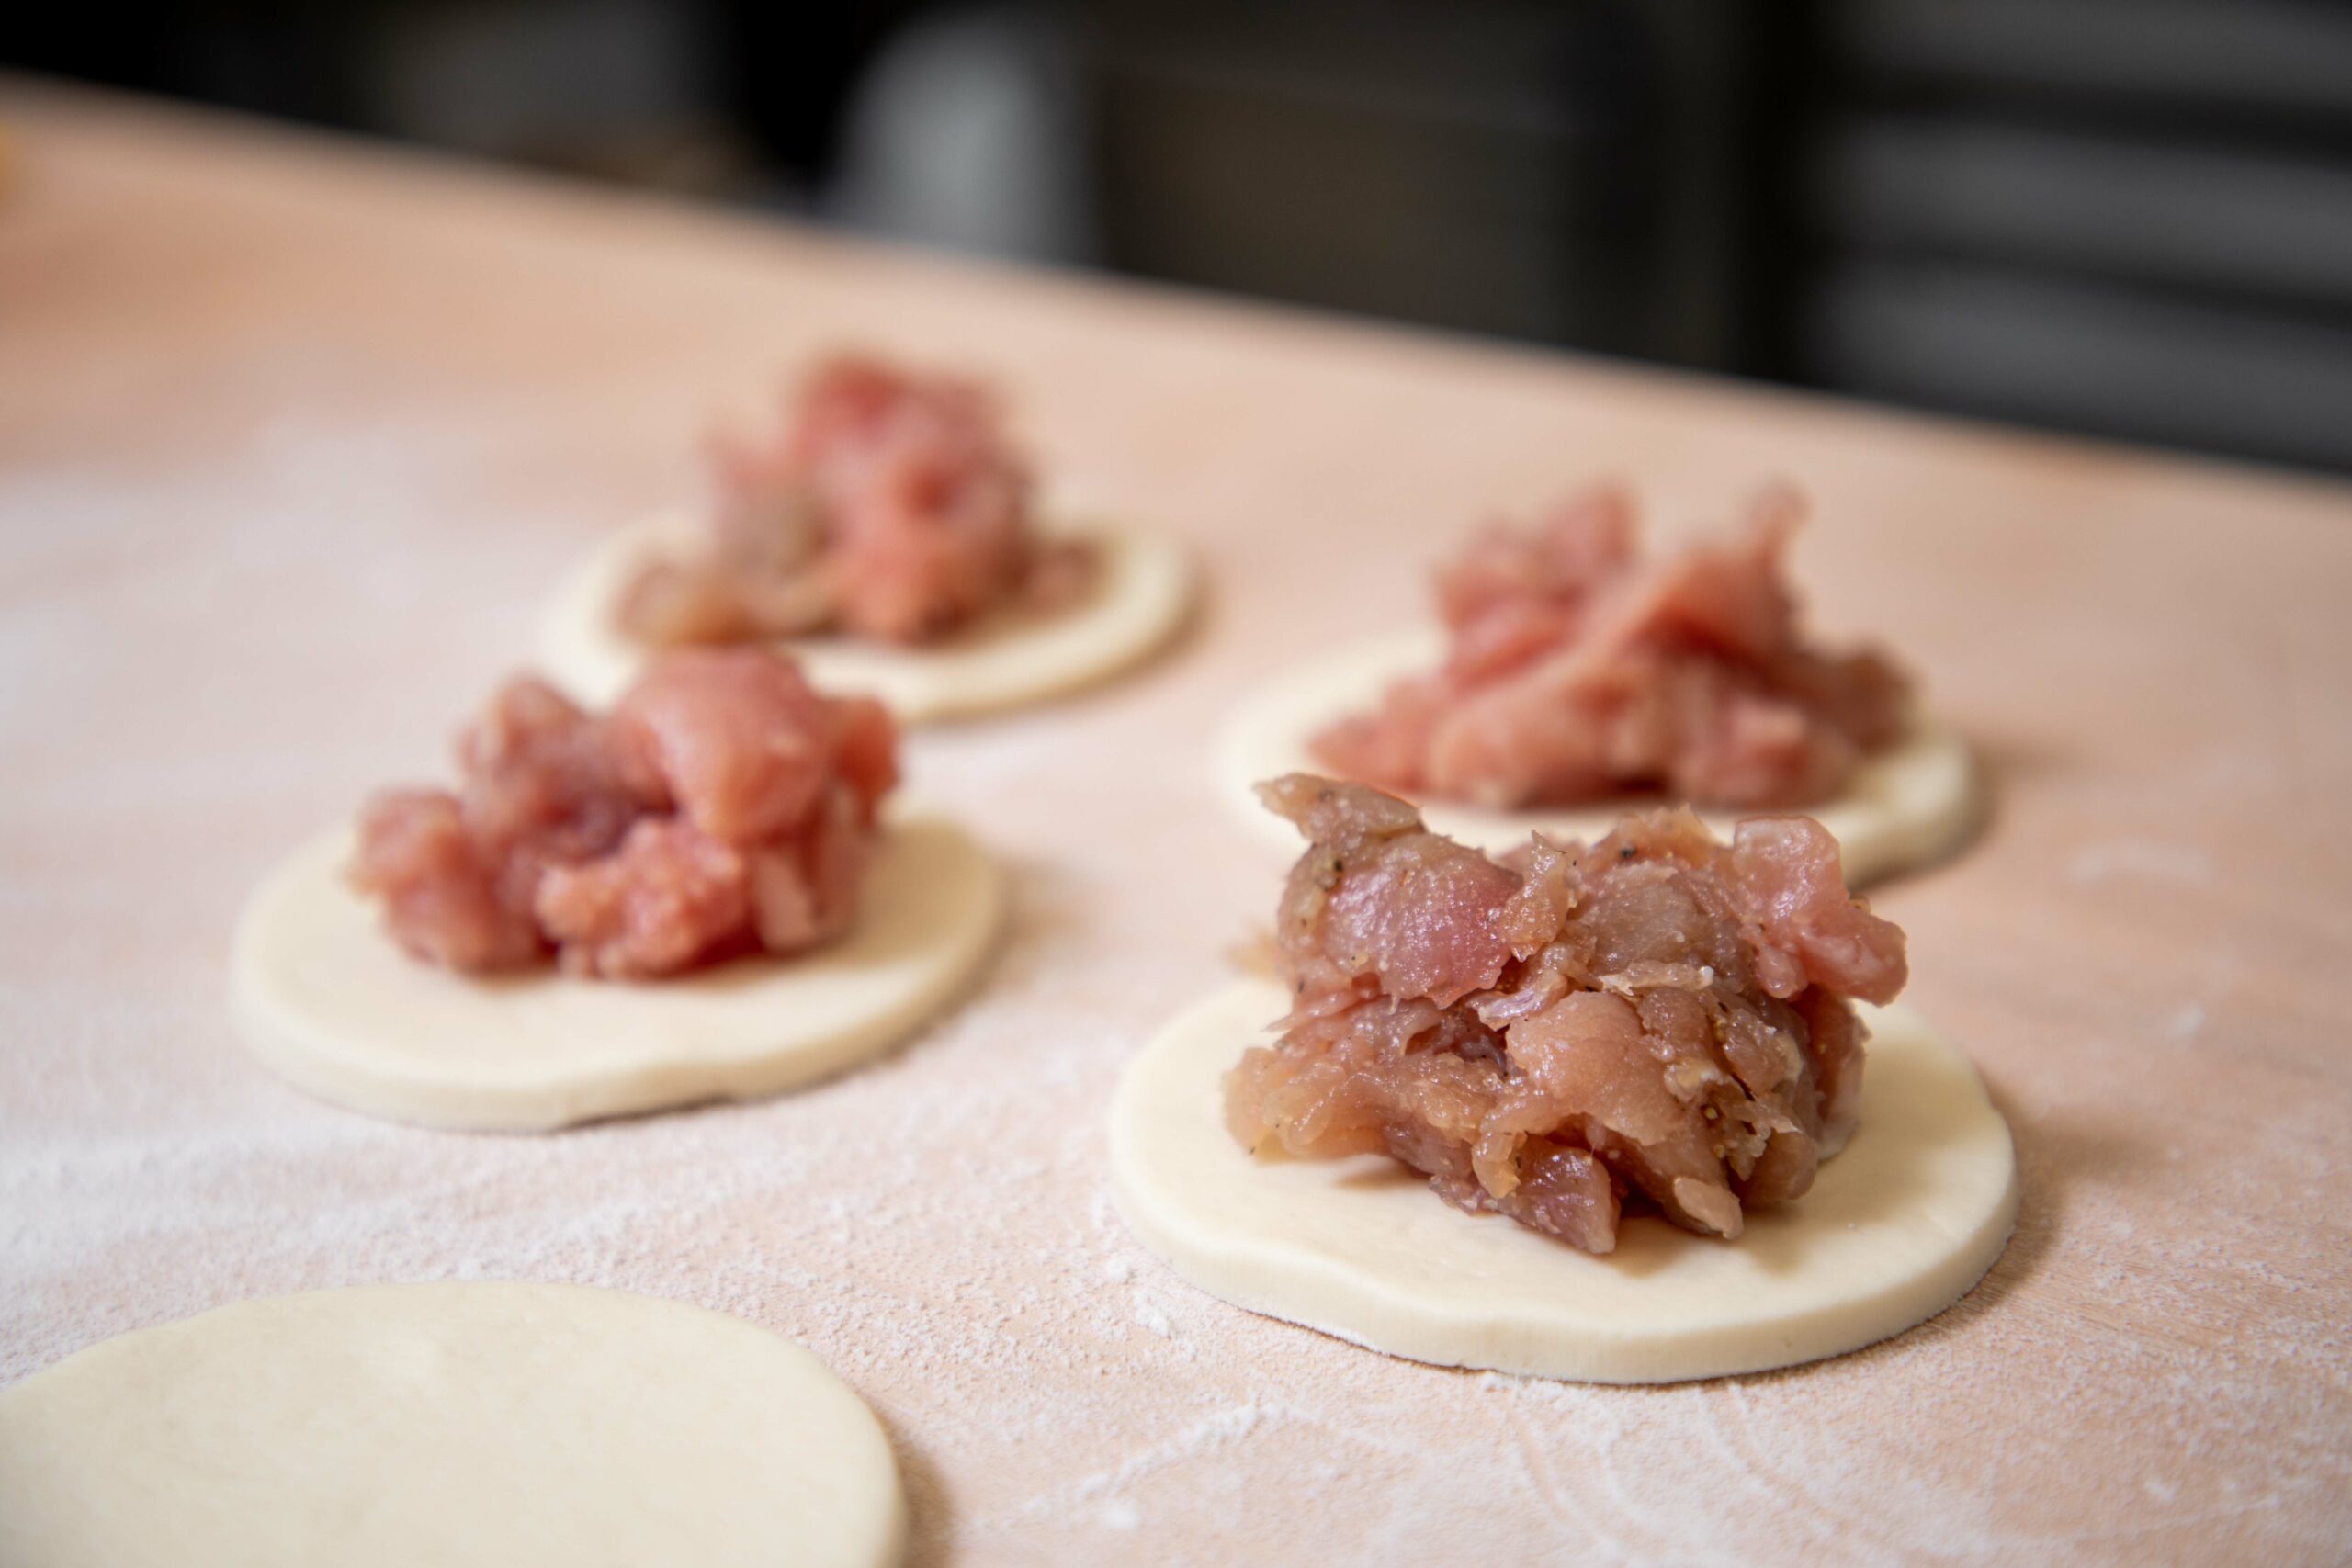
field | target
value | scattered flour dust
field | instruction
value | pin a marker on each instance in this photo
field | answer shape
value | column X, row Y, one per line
column 2144, row 860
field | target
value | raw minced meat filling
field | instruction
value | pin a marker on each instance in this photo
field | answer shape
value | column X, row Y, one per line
column 1577, row 670
column 883, row 505
column 1657, row 1021
column 722, row 808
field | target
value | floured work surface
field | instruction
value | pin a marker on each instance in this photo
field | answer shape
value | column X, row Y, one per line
column 294, row 441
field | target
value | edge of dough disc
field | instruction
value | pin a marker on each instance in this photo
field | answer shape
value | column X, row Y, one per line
column 1906, row 807
column 1393, row 1279
column 1150, row 581
column 928, row 918
column 873, row 1541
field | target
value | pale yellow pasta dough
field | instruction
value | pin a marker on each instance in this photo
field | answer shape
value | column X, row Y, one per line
column 1905, row 806
column 460, row 1426
column 1141, row 601
column 329, row 1002
column 1897, row 1227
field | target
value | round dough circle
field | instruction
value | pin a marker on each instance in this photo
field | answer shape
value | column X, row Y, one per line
column 332, row 1004
column 1146, row 593
column 1897, row 1227
column 1905, row 806
column 504, row 1425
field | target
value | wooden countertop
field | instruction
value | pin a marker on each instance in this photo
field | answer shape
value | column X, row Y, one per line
column 294, row 435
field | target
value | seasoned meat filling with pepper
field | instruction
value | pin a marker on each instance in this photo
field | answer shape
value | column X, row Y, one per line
column 1655, row 1022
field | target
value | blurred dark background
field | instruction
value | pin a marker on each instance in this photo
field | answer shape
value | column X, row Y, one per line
column 2129, row 218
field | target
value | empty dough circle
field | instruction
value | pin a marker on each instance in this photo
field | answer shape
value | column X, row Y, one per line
column 1141, row 601
column 1897, row 1227
column 466, row 1426
column 1905, row 806
column 329, row 1002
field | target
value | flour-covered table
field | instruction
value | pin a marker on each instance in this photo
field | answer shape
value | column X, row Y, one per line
column 294, row 437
